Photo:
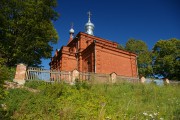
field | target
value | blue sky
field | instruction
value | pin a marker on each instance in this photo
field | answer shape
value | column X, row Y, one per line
column 119, row 20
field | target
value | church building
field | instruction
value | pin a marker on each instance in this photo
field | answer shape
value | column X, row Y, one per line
column 88, row 53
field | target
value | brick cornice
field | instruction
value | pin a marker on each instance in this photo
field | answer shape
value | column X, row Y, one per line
column 115, row 49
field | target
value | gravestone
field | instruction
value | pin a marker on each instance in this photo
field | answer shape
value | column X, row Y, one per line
column 166, row 81
column 75, row 75
column 142, row 79
column 113, row 77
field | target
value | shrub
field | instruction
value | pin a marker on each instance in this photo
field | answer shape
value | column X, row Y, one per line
column 82, row 84
column 3, row 77
column 35, row 84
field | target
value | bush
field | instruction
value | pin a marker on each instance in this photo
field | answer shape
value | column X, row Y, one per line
column 82, row 84
column 5, row 74
column 8, row 75
column 3, row 77
column 35, row 84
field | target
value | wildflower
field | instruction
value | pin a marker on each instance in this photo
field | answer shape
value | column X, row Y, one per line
column 144, row 113
column 108, row 118
column 4, row 106
column 155, row 114
column 150, row 115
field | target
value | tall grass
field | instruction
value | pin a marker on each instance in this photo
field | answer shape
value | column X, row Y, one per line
column 94, row 101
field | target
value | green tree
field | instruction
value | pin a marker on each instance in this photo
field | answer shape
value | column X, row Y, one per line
column 167, row 58
column 26, row 30
column 144, row 56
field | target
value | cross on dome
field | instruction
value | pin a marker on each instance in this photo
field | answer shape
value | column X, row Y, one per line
column 89, row 15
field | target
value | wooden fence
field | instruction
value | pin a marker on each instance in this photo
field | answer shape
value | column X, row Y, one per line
column 70, row 76
column 23, row 73
column 33, row 73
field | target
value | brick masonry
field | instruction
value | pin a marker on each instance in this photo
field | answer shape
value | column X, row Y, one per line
column 87, row 53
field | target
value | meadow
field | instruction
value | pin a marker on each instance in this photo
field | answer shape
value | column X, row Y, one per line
column 86, row 101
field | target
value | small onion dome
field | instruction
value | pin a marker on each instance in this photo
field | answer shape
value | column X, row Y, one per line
column 71, row 31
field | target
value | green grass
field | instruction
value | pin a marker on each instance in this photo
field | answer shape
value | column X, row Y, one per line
column 83, row 101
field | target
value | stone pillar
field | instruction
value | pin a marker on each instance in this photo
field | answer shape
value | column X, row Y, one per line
column 75, row 75
column 113, row 77
column 20, row 73
column 166, row 81
column 142, row 79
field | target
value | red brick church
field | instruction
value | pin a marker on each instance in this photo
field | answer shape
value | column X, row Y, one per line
column 88, row 53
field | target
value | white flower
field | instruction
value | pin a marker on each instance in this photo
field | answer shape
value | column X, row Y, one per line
column 155, row 114
column 108, row 118
column 144, row 113
column 151, row 115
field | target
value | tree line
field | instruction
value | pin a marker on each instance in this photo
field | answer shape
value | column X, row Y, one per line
column 163, row 60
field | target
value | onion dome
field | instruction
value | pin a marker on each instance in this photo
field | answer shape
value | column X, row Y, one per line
column 89, row 27
column 71, row 31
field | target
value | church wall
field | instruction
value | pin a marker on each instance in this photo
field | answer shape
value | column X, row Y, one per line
column 84, row 42
column 108, row 61
column 54, row 65
column 69, row 63
column 88, row 59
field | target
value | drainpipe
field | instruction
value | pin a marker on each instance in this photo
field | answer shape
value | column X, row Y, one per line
column 94, row 56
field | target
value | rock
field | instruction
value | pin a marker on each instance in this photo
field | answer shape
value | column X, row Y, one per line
column 12, row 85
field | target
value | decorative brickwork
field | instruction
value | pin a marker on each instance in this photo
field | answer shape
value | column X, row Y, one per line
column 88, row 53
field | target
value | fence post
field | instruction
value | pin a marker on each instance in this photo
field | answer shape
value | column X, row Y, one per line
column 142, row 79
column 113, row 77
column 75, row 75
column 20, row 73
